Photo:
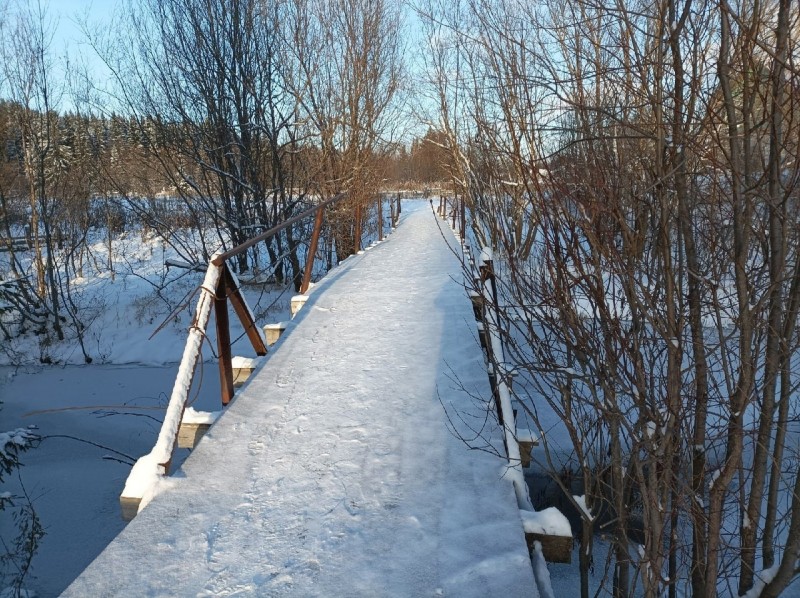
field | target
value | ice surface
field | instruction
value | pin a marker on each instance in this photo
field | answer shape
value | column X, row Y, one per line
column 76, row 485
column 334, row 471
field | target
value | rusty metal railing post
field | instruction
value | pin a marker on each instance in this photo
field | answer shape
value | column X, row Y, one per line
column 243, row 312
column 312, row 250
column 357, row 230
column 224, row 338
column 463, row 220
column 380, row 217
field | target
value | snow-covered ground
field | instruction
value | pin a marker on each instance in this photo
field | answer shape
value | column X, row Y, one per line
column 139, row 313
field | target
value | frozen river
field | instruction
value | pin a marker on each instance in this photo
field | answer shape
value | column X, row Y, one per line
column 75, row 485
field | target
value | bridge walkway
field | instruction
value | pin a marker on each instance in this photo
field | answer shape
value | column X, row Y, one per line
column 335, row 471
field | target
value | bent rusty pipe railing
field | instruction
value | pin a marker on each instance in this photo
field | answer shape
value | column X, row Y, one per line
column 225, row 356
column 219, row 286
column 222, row 257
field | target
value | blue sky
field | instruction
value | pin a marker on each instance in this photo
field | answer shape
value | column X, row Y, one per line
column 67, row 11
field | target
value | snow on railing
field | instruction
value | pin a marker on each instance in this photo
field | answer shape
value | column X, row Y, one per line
column 143, row 479
column 494, row 348
column 219, row 286
column 547, row 532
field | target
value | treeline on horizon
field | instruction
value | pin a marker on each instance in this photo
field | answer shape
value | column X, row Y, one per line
column 108, row 157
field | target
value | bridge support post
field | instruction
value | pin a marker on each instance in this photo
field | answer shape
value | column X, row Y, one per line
column 463, row 222
column 380, row 217
column 312, row 250
column 223, row 338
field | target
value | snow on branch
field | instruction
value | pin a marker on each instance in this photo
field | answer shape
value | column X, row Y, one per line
column 11, row 444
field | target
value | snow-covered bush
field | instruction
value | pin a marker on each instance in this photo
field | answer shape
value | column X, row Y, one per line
column 17, row 554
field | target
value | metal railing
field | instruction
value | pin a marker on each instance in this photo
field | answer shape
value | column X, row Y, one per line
column 454, row 208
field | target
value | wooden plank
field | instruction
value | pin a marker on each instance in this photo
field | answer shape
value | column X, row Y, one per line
column 240, row 376
column 274, row 331
column 525, row 449
column 190, row 434
column 297, row 303
column 556, row 549
column 129, row 506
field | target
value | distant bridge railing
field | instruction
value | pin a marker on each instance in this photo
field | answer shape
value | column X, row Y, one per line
column 548, row 531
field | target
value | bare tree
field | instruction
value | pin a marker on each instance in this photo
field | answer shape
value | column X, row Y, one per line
column 634, row 165
column 206, row 83
column 348, row 75
column 29, row 82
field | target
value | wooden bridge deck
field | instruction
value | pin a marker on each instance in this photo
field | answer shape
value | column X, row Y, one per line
column 333, row 472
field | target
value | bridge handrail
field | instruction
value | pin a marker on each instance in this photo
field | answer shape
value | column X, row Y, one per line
column 547, row 533
column 223, row 257
column 218, row 286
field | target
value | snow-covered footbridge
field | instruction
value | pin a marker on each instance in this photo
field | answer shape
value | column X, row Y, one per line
column 335, row 471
